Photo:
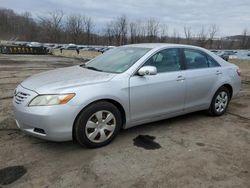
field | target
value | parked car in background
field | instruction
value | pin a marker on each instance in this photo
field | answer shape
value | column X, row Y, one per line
column 81, row 46
column 215, row 51
column 221, row 54
column 49, row 45
column 104, row 49
column 122, row 88
column 57, row 46
column 34, row 44
column 69, row 47
column 20, row 43
column 224, row 56
column 230, row 52
column 91, row 49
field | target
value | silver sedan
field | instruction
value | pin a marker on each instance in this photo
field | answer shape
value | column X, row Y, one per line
column 122, row 88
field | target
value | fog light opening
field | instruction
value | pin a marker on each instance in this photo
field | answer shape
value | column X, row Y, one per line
column 41, row 131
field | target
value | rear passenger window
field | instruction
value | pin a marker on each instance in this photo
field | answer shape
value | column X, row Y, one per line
column 195, row 59
column 165, row 61
column 212, row 62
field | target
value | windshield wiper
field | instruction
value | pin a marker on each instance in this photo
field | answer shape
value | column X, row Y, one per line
column 93, row 68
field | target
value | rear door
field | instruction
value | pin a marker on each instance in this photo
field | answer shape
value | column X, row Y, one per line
column 163, row 93
column 202, row 76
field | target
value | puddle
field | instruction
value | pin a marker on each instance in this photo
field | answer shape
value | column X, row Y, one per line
column 200, row 144
column 10, row 174
column 147, row 142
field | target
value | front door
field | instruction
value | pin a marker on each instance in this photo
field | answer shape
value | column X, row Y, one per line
column 160, row 94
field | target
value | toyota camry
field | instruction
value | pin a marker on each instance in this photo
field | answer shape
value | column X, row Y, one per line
column 124, row 87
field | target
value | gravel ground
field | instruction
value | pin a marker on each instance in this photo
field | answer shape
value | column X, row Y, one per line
column 193, row 150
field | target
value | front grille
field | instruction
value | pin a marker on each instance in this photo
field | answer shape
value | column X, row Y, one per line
column 20, row 97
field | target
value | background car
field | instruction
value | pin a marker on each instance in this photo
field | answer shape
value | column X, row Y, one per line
column 221, row 54
column 34, row 44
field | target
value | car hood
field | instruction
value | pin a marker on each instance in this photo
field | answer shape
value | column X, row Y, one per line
column 64, row 78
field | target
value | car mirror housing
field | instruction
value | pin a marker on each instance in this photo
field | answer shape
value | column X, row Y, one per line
column 147, row 70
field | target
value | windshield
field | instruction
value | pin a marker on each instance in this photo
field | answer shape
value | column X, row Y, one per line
column 117, row 60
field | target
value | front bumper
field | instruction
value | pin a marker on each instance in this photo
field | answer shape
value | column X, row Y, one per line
column 53, row 123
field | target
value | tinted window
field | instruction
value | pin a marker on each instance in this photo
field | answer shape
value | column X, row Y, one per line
column 195, row 59
column 165, row 60
column 212, row 62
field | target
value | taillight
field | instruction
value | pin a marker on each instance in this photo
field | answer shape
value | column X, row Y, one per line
column 238, row 72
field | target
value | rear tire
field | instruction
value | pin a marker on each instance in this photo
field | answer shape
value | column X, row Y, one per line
column 97, row 125
column 219, row 102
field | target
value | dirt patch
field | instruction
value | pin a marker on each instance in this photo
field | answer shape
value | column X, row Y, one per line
column 73, row 54
column 147, row 142
column 200, row 144
column 239, row 105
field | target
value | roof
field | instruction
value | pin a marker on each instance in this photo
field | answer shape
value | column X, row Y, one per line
column 160, row 45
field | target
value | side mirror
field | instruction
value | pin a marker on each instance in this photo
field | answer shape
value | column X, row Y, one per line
column 147, row 70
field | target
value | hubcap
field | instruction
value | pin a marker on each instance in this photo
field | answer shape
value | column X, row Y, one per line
column 221, row 101
column 100, row 126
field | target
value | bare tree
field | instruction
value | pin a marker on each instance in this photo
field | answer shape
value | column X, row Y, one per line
column 17, row 26
column 142, row 32
column 245, row 40
column 120, row 30
column 133, row 32
column 88, row 28
column 152, row 29
column 74, row 28
column 248, row 41
column 202, row 37
column 163, row 32
column 136, row 31
column 175, row 38
column 213, row 29
column 26, row 28
column 109, row 33
column 116, row 31
column 188, row 34
column 51, row 26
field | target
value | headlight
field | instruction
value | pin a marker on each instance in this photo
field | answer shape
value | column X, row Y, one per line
column 47, row 100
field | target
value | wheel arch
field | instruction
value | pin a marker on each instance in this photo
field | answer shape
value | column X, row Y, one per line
column 112, row 101
column 229, row 87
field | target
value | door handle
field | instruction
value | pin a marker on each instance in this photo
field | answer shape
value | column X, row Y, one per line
column 180, row 78
column 218, row 72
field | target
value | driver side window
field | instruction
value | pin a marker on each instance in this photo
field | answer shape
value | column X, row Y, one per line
column 165, row 61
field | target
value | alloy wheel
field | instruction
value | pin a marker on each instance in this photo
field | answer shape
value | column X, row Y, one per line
column 221, row 101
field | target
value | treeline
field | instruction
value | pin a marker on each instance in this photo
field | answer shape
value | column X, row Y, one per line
column 56, row 27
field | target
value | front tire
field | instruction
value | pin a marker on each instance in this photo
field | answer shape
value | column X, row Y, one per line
column 219, row 102
column 97, row 125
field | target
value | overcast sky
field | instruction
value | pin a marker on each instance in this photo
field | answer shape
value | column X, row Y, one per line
column 232, row 16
